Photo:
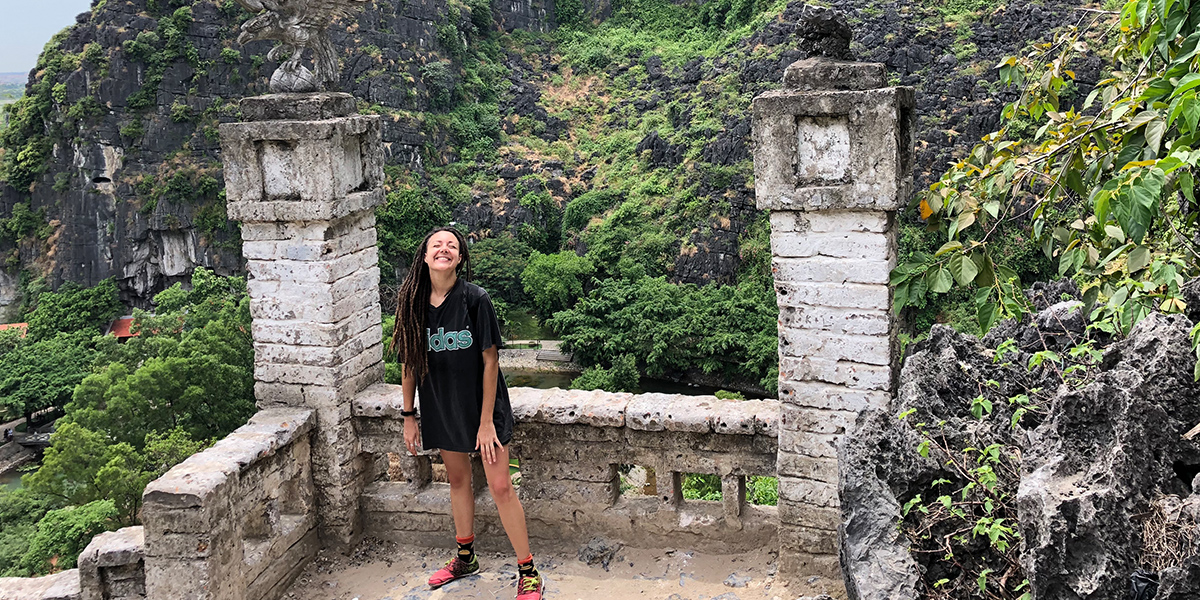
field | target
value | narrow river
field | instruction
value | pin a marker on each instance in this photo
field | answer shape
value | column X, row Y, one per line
column 10, row 480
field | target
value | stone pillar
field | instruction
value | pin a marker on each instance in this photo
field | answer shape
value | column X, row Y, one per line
column 303, row 174
column 833, row 163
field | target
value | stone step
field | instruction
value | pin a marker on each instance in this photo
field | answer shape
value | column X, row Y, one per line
column 554, row 356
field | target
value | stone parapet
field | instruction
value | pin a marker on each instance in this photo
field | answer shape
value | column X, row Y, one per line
column 236, row 521
column 60, row 586
column 573, row 447
column 113, row 567
column 833, row 163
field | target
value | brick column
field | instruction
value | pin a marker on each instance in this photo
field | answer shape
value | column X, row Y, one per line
column 303, row 174
column 833, row 164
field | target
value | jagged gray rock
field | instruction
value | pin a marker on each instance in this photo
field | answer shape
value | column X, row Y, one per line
column 879, row 464
column 1090, row 471
column 1101, row 457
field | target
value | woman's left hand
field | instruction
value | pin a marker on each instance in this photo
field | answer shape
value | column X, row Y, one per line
column 487, row 442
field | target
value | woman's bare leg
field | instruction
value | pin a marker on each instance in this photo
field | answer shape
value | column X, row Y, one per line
column 512, row 515
column 462, row 499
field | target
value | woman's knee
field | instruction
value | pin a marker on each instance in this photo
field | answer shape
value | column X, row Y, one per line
column 502, row 490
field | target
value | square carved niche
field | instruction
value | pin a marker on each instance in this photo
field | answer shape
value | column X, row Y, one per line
column 822, row 150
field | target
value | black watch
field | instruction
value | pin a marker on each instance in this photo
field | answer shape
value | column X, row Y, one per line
column 408, row 413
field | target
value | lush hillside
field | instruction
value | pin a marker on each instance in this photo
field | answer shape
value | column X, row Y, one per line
column 587, row 156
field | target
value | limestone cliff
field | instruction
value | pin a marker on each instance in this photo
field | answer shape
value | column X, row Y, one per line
column 113, row 168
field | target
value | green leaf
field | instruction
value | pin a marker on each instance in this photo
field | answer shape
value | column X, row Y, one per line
column 982, row 580
column 986, row 276
column 1138, row 259
column 1187, row 82
column 948, row 246
column 1157, row 89
column 1141, row 119
column 1154, row 134
column 1187, row 185
column 1191, row 113
column 963, row 269
column 900, row 297
column 987, row 315
column 940, row 281
column 1115, row 232
column 1140, row 207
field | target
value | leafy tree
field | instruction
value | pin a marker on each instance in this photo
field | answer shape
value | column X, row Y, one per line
column 729, row 330
column 589, row 204
column 628, row 244
column 404, row 219
column 192, row 367
column 622, row 377
column 39, row 374
column 204, row 384
column 20, row 510
column 1105, row 187
column 63, row 533
column 498, row 263
column 83, row 466
column 74, row 309
column 556, row 281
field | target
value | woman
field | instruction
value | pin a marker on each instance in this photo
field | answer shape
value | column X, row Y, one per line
column 447, row 336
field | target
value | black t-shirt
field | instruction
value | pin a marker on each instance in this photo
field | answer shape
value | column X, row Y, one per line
column 451, row 395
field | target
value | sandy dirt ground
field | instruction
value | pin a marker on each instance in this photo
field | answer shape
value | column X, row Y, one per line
column 383, row 571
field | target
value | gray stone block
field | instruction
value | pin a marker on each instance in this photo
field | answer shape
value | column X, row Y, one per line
column 824, row 269
column 855, row 376
column 836, row 320
column 298, row 107
column 822, row 73
column 844, row 295
column 827, row 345
column 60, row 586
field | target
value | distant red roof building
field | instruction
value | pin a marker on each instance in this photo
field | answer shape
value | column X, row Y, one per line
column 120, row 328
column 24, row 327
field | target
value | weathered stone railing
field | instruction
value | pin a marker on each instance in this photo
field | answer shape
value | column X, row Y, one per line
column 110, row 568
column 570, row 445
column 113, row 566
column 237, row 520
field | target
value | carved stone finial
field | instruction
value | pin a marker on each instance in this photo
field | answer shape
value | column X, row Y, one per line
column 297, row 25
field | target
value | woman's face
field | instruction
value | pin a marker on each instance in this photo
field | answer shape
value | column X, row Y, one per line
column 442, row 252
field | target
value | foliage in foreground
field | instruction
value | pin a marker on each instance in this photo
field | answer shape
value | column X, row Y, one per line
column 1104, row 186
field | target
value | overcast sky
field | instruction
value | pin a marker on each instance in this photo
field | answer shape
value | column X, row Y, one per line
column 26, row 26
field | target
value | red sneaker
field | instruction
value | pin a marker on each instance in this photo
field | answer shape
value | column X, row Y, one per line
column 454, row 568
column 529, row 587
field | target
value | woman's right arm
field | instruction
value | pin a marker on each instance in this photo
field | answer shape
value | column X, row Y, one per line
column 412, row 436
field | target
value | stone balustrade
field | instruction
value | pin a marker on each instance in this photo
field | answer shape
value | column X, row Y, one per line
column 237, row 520
column 571, row 446
column 113, row 566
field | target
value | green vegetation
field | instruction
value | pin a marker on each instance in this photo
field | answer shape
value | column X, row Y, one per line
column 133, row 409
column 1099, row 189
column 1105, row 189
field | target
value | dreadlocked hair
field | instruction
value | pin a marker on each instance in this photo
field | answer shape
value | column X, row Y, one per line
column 409, row 341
